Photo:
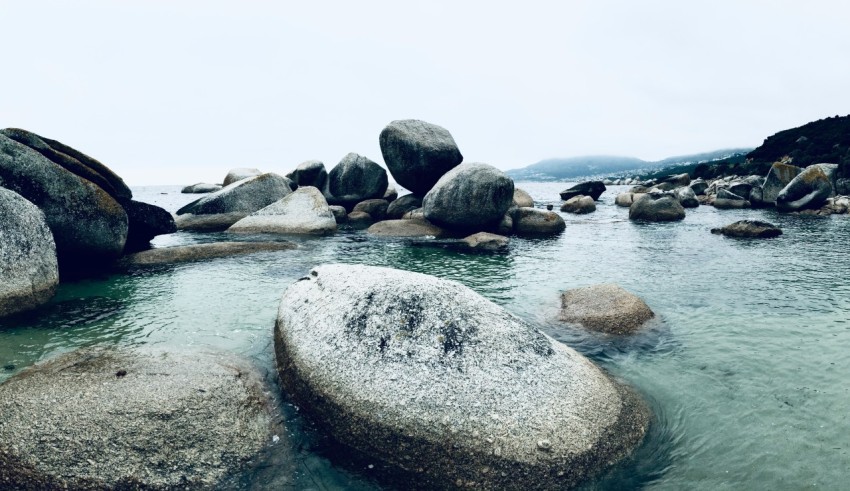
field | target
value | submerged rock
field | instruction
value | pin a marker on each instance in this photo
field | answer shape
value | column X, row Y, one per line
column 594, row 189
column 471, row 197
column 579, row 205
column 304, row 212
column 418, row 154
column 118, row 419
column 201, row 187
column 656, row 207
column 605, row 308
column 354, row 179
column 809, row 190
column 28, row 265
column 750, row 229
column 406, row 228
column 199, row 252
column 236, row 175
column 428, row 376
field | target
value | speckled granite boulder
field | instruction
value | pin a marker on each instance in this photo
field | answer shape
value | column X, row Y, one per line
column 687, row 197
column 89, row 226
column 656, row 207
column 808, row 190
column 471, row 197
column 605, row 308
column 99, row 419
column 310, row 173
column 428, row 376
column 779, row 176
column 236, row 175
column 418, row 154
column 354, row 179
column 304, row 212
column 236, row 201
column 28, row 264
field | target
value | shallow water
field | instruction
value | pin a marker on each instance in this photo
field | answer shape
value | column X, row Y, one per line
column 746, row 366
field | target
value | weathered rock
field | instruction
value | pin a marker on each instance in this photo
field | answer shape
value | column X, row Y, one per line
column 656, row 207
column 749, row 229
column 809, row 190
column 199, row 252
column 354, row 179
column 484, row 241
column 594, row 189
column 208, row 223
column 426, row 375
column 236, row 175
column 359, row 220
column 375, row 207
column 406, row 228
column 73, row 161
column 698, row 186
column 201, row 187
column 402, row 205
column 145, row 221
column 28, row 265
column 579, row 205
column 391, row 194
column 674, row 181
column 533, row 221
column 779, row 176
column 310, row 173
column 522, row 199
column 626, row 199
column 472, row 196
column 686, row 196
column 605, row 308
column 89, row 226
column 506, row 226
column 245, row 196
column 418, row 154
column 304, row 212
column 740, row 188
column 756, row 197
column 117, row 419
column 726, row 200
column 340, row 214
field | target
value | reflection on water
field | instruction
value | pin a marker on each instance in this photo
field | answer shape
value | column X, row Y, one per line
column 745, row 366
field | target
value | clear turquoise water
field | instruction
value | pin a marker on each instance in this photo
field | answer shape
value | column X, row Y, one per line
column 746, row 367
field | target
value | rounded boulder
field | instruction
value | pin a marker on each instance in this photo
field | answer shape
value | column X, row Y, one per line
column 303, row 212
column 605, row 308
column 471, row 197
column 418, row 154
column 656, row 207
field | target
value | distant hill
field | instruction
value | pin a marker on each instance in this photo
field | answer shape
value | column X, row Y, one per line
column 608, row 166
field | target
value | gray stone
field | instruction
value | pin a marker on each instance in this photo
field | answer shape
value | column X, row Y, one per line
column 749, row 229
column 418, row 154
column 304, row 212
column 656, row 207
column 506, row 226
column 470, row 197
column 236, row 175
column 522, row 199
column 594, row 189
column 579, row 205
column 89, row 226
column 699, row 186
column 340, row 213
column 674, row 181
column 28, row 263
column 245, row 196
column 391, row 194
column 354, row 179
column 375, row 207
column 117, row 419
column 605, row 308
column 144, row 222
column 359, row 220
column 310, row 173
column 808, row 190
column 200, row 188
column 402, row 205
column 208, row 223
column 727, row 200
column 626, row 199
column 485, row 241
column 406, row 228
column 199, row 252
column 740, row 188
column 779, row 176
column 426, row 375
column 415, row 214
column 534, row 221
column 686, row 196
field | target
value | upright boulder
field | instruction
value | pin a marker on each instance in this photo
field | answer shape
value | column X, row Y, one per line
column 471, row 197
column 779, row 176
column 418, row 154
column 304, row 212
column 28, row 263
column 656, row 207
column 89, row 226
column 354, row 179
column 809, row 190
column 428, row 376
column 236, row 175
column 594, row 189
column 310, row 173
column 605, row 308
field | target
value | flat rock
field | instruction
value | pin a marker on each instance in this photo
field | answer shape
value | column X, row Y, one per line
column 208, row 223
column 200, row 252
column 471, row 196
column 236, row 175
column 485, row 241
column 426, row 375
column 605, row 308
column 201, row 187
column 418, row 154
column 594, row 189
column 118, row 419
column 304, row 212
column 749, row 229
column 406, row 228
column 28, row 263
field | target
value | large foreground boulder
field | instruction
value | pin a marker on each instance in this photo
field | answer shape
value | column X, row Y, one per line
column 146, row 221
column 99, row 419
column 310, row 173
column 28, row 264
column 809, row 190
column 605, row 308
column 471, row 197
column 354, row 179
column 656, row 207
column 534, row 221
column 304, row 212
column 749, row 229
column 236, row 175
column 418, row 153
column 594, row 189
column 89, row 226
column 428, row 376
column 199, row 252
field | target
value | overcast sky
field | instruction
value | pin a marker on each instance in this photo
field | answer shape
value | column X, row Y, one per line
column 175, row 92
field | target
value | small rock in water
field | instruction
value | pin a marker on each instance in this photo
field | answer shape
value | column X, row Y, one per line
column 749, row 229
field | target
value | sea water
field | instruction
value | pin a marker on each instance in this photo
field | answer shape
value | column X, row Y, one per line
column 746, row 367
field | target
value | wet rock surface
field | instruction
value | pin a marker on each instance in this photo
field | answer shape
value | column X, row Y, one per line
column 417, row 227
column 146, row 221
column 749, row 229
column 199, row 252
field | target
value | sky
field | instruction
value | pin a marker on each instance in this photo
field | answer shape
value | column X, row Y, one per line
column 178, row 92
